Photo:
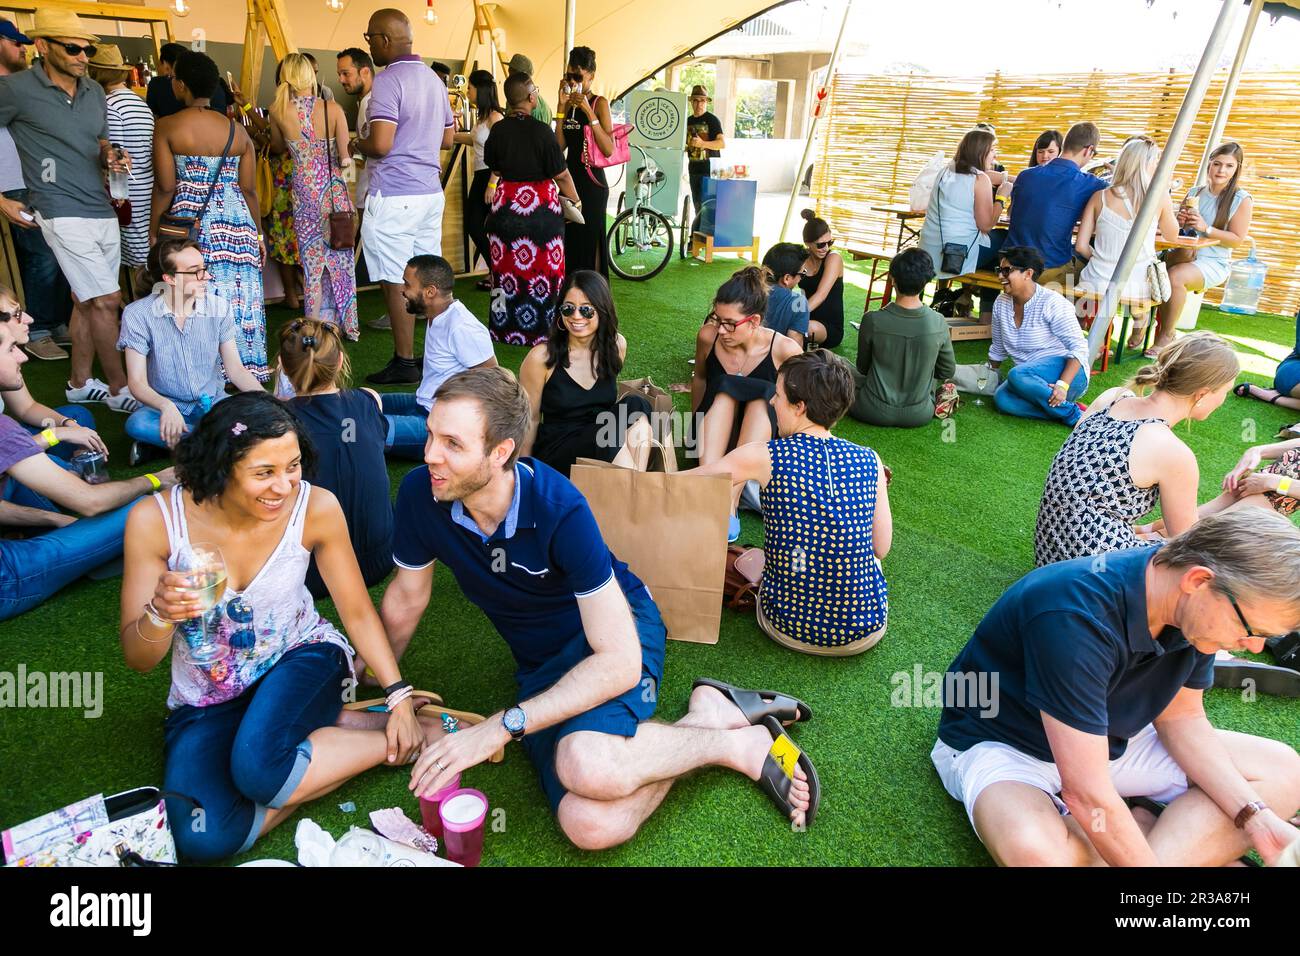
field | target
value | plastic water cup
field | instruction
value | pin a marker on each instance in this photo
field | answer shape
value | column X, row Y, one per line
column 91, row 466
column 429, row 807
column 464, row 813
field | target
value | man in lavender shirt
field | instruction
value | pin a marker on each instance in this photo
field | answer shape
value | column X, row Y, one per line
column 410, row 122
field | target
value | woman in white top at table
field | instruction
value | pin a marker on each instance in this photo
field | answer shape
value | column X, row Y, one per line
column 1219, row 210
column 476, row 203
column 1108, row 219
column 961, row 207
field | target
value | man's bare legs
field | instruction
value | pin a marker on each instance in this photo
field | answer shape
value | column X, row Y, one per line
column 94, row 329
column 1021, row 826
column 403, row 322
column 615, row 783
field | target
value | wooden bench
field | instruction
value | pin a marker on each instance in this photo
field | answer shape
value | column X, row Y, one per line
column 880, row 260
column 1127, row 306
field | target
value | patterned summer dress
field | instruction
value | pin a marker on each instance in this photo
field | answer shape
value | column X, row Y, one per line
column 228, row 238
column 329, row 275
column 281, row 240
column 1090, row 503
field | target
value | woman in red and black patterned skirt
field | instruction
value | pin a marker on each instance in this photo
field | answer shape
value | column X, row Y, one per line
column 526, row 224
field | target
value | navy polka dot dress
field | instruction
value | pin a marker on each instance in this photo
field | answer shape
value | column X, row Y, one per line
column 821, row 583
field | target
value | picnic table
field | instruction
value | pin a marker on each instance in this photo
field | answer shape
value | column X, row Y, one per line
column 1185, row 242
column 907, row 235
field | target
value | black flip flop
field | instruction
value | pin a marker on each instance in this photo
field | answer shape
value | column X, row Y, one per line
column 758, row 705
column 1266, row 678
column 1242, row 390
column 777, row 775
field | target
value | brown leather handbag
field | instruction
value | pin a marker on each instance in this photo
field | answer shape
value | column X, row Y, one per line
column 188, row 227
column 342, row 224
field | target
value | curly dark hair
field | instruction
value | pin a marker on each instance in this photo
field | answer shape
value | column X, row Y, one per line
column 198, row 72
column 206, row 457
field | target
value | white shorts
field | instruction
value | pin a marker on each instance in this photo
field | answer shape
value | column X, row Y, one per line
column 397, row 228
column 89, row 251
column 1144, row 770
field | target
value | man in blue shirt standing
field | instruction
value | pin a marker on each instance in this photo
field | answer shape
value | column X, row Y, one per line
column 1047, row 201
column 524, row 547
column 1083, row 686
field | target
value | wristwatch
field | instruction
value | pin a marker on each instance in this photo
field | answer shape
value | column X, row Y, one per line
column 514, row 720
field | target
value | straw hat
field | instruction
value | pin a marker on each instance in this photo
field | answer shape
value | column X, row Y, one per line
column 698, row 90
column 61, row 23
column 109, row 57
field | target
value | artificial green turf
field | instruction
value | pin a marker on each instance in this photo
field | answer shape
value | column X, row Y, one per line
column 964, row 501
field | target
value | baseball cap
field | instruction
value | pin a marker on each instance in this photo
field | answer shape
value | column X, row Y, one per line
column 10, row 32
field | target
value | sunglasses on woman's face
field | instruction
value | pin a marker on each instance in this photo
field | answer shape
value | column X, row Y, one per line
column 825, row 244
column 586, row 311
column 75, row 50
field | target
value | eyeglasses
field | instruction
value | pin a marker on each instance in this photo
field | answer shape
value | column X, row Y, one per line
column 1005, row 271
column 586, row 311
column 824, row 245
column 370, row 36
column 1242, row 618
column 75, row 50
column 724, row 326
column 200, row 273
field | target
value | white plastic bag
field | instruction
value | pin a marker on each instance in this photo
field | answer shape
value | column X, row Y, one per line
column 919, row 194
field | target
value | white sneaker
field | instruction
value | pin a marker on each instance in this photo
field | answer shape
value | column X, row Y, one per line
column 123, row 401
column 93, row 391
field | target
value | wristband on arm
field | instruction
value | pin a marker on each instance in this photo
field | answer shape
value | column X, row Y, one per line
column 51, row 439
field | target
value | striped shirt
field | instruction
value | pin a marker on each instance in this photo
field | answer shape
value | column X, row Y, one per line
column 184, row 364
column 130, row 125
column 1050, row 329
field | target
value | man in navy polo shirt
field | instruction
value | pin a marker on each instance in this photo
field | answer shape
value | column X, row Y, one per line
column 1047, row 201
column 587, row 638
column 1083, row 686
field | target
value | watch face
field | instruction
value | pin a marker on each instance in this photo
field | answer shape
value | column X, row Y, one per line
column 514, row 720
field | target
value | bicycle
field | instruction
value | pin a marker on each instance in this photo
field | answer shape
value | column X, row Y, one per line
column 640, row 240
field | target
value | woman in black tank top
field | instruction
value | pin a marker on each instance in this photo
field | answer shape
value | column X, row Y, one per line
column 822, row 283
column 572, row 384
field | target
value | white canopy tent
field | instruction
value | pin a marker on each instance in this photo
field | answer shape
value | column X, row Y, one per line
column 1192, row 101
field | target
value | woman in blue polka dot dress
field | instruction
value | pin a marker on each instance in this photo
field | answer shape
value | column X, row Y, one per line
column 826, row 519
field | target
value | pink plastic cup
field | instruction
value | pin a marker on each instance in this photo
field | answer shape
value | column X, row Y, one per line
column 429, row 807
column 464, row 813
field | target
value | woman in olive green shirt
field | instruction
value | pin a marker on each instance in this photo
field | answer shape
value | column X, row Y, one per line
column 902, row 349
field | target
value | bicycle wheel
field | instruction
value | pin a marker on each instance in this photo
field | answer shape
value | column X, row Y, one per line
column 622, row 197
column 685, row 246
column 640, row 243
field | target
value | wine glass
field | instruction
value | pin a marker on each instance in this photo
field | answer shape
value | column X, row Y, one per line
column 205, row 569
column 981, row 380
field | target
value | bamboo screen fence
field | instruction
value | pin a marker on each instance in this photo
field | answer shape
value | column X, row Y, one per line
column 882, row 129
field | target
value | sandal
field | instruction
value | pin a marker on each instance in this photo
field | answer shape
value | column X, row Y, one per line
column 1242, row 390
column 777, row 774
column 758, row 705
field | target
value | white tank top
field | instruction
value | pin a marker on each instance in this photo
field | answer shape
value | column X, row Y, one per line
column 258, row 625
column 481, row 131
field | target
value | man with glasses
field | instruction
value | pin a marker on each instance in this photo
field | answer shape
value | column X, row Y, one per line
column 180, row 349
column 59, row 122
column 1047, row 201
column 410, row 123
column 454, row 340
column 1082, row 688
column 48, row 298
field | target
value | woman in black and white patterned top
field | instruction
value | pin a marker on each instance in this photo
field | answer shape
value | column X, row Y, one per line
column 1123, row 456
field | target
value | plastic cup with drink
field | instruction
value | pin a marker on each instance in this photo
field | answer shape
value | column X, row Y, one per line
column 92, row 466
column 119, row 180
column 430, row 804
column 464, row 815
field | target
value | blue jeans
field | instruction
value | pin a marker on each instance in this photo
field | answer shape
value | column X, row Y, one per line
column 78, row 413
column 406, row 425
column 145, row 424
column 1287, row 376
column 49, row 298
column 1029, row 386
column 33, row 570
column 238, row 758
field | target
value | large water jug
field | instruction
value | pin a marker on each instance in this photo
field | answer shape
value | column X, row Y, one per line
column 1245, row 284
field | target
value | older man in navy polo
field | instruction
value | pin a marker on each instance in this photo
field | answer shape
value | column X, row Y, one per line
column 1101, row 664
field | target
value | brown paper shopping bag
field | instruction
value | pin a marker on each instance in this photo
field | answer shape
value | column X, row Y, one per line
column 661, row 417
column 671, row 529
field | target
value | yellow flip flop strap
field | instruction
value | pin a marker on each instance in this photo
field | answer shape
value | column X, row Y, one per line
column 786, row 754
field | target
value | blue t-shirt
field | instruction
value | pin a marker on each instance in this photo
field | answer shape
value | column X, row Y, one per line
column 1070, row 640
column 787, row 311
column 1046, row 202
column 528, row 575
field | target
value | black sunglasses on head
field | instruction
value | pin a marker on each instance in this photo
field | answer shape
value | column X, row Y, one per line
column 75, row 50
